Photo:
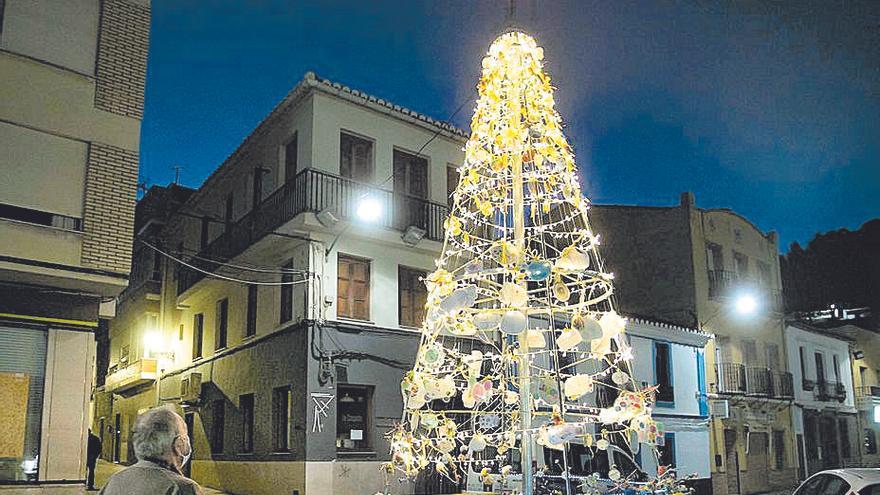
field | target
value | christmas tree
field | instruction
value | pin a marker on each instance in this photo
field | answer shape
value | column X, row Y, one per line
column 521, row 347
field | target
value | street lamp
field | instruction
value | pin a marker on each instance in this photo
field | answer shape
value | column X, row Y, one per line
column 369, row 209
column 746, row 304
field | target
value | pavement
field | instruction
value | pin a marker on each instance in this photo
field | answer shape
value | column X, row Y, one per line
column 104, row 469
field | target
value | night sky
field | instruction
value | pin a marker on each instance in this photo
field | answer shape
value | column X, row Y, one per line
column 771, row 108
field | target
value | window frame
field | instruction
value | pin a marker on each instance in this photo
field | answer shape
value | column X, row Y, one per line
column 198, row 350
column 281, row 432
column 669, row 371
column 412, row 320
column 250, row 325
column 369, row 420
column 285, row 150
column 221, row 324
column 350, row 298
column 369, row 175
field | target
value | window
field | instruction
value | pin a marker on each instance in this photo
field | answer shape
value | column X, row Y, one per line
column 663, row 373
column 714, row 257
column 250, row 327
column 870, row 441
column 740, row 265
column 198, row 330
column 180, row 332
column 835, row 486
column 221, row 324
column 667, row 450
column 836, row 366
column 778, row 449
column 820, row 368
column 452, row 178
column 750, row 352
column 353, row 418
column 123, row 355
column 412, row 295
column 246, row 404
column 281, row 419
column 257, row 192
column 287, row 294
column 803, row 362
column 870, row 490
column 773, row 356
column 353, row 288
column 764, row 273
column 218, row 420
column 290, row 156
column 410, row 174
column 813, row 486
column 355, row 158
column 203, row 236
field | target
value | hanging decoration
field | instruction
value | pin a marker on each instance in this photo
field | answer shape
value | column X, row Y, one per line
column 521, row 347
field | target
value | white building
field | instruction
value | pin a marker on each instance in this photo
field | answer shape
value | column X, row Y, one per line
column 673, row 358
column 824, row 418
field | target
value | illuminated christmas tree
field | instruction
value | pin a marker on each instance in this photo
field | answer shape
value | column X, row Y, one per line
column 521, row 347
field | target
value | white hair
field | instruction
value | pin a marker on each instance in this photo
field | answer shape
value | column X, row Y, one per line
column 154, row 432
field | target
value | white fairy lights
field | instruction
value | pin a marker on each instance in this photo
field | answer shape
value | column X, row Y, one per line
column 519, row 296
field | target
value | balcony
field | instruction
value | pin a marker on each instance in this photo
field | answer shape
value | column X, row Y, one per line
column 830, row 391
column 738, row 379
column 783, row 385
column 313, row 191
column 722, row 282
column 731, row 378
column 867, row 397
column 134, row 375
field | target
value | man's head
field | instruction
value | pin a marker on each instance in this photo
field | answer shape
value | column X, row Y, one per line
column 160, row 433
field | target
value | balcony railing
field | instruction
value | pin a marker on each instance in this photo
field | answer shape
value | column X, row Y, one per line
column 731, row 378
column 783, row 385
column 759, row 381
column 721, row 282
column 738, row 379
column 829, row 391
column 136, row 374
column 867, row 397
column 313, row 191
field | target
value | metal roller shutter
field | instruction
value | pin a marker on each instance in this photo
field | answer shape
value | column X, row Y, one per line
column 23, row 350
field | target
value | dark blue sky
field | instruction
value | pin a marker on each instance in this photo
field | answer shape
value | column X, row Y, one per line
column 769, row 108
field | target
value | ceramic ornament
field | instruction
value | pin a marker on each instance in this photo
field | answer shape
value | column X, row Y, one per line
column 513, row 295
column 568, row 339
column 561, row 291
column 588, row 326
column 477, row 443
column 535, row 339
column 513, row 322
column 537, row 271
column 572, row 260
column 487, row 320
column 619, row 378
column 577, row 386
column 459, row 299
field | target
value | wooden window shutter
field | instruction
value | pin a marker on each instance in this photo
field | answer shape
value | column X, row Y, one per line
column 353, row 288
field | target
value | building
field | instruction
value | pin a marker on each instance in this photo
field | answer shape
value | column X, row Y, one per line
column 673, row 358
column 71, row 103
column 288, row 299
column 714, row 270
column 825, row 420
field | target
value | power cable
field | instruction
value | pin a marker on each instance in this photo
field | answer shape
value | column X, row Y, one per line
column 223, row 277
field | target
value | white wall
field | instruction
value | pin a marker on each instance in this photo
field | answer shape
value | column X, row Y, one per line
column 684, row 373
column 829, row 346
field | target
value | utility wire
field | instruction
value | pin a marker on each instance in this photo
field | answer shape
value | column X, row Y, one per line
column 246, row 267
column 223, row 277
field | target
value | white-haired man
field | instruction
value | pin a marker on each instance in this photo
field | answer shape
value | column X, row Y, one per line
column 162, row 448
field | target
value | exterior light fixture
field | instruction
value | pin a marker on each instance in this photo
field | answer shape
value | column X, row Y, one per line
column 369, row 209
column 746, row 304
column 858, row 354
column 153, row 343
column 327, row 218
column 413, row 235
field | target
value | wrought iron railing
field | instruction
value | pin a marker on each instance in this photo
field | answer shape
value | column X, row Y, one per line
column 314, row 191
column 722, row 281
column 783, row 385
column 731, row 378
column 719, row 282
column 759, row 381
column 868, row 391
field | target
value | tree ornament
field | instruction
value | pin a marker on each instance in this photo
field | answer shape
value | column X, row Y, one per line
column 537, row 271
column 513, row 322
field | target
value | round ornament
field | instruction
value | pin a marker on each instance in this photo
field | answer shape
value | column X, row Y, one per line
column 568, row 339
column 432, row 358
column 463, row 297
column 513, row 322
column 513, row 295
column 577, row 386
column 537, row 271
column 487, row 320
column 561, row 291
column 619, row 377
column 573, row 260
column 477, row 443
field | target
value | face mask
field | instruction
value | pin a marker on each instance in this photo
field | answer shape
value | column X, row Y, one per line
column 189, row 450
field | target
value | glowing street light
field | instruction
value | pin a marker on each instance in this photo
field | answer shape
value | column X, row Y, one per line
column 746, row 304
column 369, row 209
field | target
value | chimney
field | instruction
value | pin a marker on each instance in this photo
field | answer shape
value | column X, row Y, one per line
column 687, row 199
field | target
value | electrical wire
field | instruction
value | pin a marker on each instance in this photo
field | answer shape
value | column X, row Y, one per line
column 246, row 267
column 222, row 277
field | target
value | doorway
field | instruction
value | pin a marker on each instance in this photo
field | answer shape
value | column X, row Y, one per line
column 117, row 437
column 189, row 419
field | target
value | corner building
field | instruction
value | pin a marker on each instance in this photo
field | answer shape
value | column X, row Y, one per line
column 333, row 209
column 693, row 267
column 71, row 102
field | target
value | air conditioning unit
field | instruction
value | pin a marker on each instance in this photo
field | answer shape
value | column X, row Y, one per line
column 191, row 388
column 719, row 409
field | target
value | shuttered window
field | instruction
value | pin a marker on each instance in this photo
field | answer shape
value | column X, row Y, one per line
column 353, row 288
column 412, row 295
column 355, row 158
